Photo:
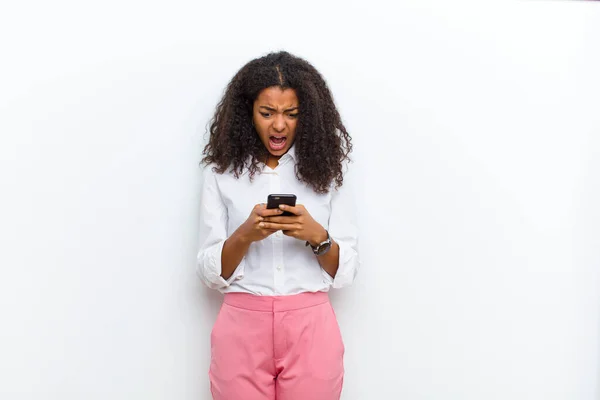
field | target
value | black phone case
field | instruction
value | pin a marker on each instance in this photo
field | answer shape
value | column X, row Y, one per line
column 274, row 200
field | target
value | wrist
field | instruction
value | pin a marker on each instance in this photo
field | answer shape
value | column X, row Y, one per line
column 319, row 237
column 240, row 238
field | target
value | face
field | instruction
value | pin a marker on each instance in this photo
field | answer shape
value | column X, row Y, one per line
column 275, row 115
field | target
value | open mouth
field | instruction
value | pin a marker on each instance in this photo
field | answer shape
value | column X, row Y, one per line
column 277, row 142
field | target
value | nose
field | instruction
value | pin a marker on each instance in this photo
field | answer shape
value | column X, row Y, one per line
column 279, row 123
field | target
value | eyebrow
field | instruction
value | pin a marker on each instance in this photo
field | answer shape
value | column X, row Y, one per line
column 273, row 109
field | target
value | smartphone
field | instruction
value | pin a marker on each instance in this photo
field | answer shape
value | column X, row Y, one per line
column 274, row 200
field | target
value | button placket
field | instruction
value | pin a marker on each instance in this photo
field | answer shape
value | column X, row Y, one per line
column 277, row 240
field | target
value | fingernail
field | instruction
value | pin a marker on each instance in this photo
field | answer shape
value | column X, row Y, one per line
column 262, row 225
column 282, row 206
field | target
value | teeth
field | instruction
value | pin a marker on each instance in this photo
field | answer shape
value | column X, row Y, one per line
column 277, row 142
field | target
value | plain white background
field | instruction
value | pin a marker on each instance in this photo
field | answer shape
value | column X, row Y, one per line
column 477, row 173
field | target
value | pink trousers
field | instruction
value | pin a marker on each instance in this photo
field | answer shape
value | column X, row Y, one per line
column 282, row 347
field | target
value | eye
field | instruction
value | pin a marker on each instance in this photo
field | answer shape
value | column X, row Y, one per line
column 293, row 115
column 265, row 114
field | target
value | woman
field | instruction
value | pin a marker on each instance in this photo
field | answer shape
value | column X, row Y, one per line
column 276, row 131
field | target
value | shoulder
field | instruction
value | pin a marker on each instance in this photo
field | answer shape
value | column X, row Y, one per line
column 210, row 174
column 349, row 176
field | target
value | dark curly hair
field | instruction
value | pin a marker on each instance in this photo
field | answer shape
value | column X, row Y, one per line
column 322, row 142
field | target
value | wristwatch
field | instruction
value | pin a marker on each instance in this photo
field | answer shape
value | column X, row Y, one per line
column 322, row 247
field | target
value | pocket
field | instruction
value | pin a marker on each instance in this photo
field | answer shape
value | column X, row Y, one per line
column 215, row 325
column 215, row 334
column 225, row 346
column 327, row 355
column 337, row 327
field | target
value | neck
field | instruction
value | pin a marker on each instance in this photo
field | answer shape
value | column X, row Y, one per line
column 272, row 161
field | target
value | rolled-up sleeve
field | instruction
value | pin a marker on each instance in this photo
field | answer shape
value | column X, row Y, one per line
column 213, row 234
column 344, row 231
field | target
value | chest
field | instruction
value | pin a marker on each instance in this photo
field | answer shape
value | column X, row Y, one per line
column 241, row 195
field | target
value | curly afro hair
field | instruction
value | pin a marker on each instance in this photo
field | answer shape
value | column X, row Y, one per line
column 322, row 143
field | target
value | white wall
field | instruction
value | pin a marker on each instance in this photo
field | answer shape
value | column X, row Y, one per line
column 477, row 149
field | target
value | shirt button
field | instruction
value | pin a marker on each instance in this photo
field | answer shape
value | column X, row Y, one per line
column 279, row 267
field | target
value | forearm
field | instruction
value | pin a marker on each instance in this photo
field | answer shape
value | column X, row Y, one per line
column 330, row 260
column 234, row 250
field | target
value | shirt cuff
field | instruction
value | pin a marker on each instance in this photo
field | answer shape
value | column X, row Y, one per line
column 210, row 268
column 347, row 267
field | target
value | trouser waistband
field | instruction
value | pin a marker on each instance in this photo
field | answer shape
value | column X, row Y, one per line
column 275, row 303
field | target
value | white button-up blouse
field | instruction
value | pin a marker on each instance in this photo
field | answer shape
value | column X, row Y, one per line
column 278, row 264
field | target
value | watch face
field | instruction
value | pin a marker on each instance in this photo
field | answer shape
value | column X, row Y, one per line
column 323, row 248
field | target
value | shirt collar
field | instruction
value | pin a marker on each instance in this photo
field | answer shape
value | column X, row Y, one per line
column 291, row 154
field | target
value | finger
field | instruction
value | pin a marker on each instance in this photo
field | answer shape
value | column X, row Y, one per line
column 278, row 227
column 283, row 219
column 298, row 210
column 269, row 212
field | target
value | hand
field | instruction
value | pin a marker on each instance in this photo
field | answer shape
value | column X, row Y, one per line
column 251, row 230
column 300, row 226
